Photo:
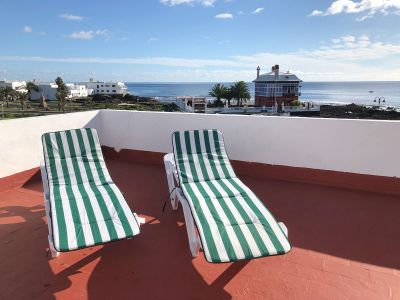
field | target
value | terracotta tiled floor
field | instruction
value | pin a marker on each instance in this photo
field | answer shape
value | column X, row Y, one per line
column 346, row 246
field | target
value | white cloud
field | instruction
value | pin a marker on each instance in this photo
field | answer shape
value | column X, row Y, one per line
column 351, row 48
column 224, row 16
column 82, row 35
column 27, row 29
column 348, row 38
column 71, row 17
column 351, row 7
column 258, row 10
column 344, row 48
column 102, row 32
column 317, row 13
column 347, row 57
column 88, row 35
column 363, row 18
column 153, row 39
column 176, row 2
column 206, row 3
column 160, row 61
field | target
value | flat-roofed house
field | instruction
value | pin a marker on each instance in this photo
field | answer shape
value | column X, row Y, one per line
column 48, row 90
column 105, row 87
column 15, row 85
column 77, row 90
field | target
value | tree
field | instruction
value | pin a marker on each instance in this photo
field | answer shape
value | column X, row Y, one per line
column 219, row 91
column 3, row 97
column 22, row 99
column 229, row 96
column 30, row 87
column 43, row 103
column 6, row 93
column 240, row 91
column 62, row 93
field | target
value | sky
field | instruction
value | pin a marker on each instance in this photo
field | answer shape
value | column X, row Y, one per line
column 199, row 40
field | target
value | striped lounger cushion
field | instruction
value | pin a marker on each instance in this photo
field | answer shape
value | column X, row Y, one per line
column 233, row 223
column 87, row 208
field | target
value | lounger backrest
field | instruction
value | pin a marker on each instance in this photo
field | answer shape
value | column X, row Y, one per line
column 87, row 208
column 200, row 155
column 81, row 149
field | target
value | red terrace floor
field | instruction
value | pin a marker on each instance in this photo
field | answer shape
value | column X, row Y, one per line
column 346, row 246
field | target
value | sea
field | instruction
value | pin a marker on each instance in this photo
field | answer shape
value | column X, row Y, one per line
column 318, row 92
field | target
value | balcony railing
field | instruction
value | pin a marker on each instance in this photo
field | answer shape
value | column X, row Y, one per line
column 356, row 146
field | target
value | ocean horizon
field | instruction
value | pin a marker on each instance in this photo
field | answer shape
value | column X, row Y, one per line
column 358, row 92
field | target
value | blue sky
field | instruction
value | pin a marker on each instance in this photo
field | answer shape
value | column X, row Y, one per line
column 199, row 40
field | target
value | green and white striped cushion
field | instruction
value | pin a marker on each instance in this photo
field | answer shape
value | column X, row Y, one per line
column 233, row 223
column 87, row 208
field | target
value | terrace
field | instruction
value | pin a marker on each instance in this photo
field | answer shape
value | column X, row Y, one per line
column 334, row 183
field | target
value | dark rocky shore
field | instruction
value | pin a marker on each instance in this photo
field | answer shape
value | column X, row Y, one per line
column 354, row 111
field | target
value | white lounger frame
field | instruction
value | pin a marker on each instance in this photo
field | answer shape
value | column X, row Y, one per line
column 176, row 196
column 46, row 193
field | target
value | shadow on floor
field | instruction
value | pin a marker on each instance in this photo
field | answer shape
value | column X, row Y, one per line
column 349, row 224
column 25, row 270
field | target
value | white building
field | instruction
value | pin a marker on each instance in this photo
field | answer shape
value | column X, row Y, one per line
column 48, row 90
column 77, row 90
column 15, row 85
column 105, row 87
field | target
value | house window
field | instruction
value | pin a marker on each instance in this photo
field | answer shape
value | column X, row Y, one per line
column 113, row 85
column 101, row 85
column 97, row 86
column 114, row 91
column 102, row 91
column 108, row 91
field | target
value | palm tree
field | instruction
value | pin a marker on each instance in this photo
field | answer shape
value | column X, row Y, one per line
column 219, row 91
column 62, row 93
column 229, row 96
column 22, row 99
column 240, row 91
column 6, row 93
column 31, row 86
column 3, row 98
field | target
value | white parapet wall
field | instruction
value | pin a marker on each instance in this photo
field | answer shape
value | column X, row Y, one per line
column 356, row 146
column 20, row 139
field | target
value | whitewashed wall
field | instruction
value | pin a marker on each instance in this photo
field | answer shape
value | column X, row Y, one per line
column 357, row 146
column 20, row 139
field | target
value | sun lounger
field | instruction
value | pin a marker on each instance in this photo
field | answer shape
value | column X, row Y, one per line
column 83, row 205
column 232, row 223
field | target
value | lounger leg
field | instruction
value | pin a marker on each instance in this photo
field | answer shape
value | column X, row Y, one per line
column 170, row 169
column 54, row 252
column 177, row 196
column 194, row 241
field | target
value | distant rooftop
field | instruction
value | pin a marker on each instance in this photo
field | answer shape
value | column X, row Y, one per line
column 276, row 76
column 283, row 76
